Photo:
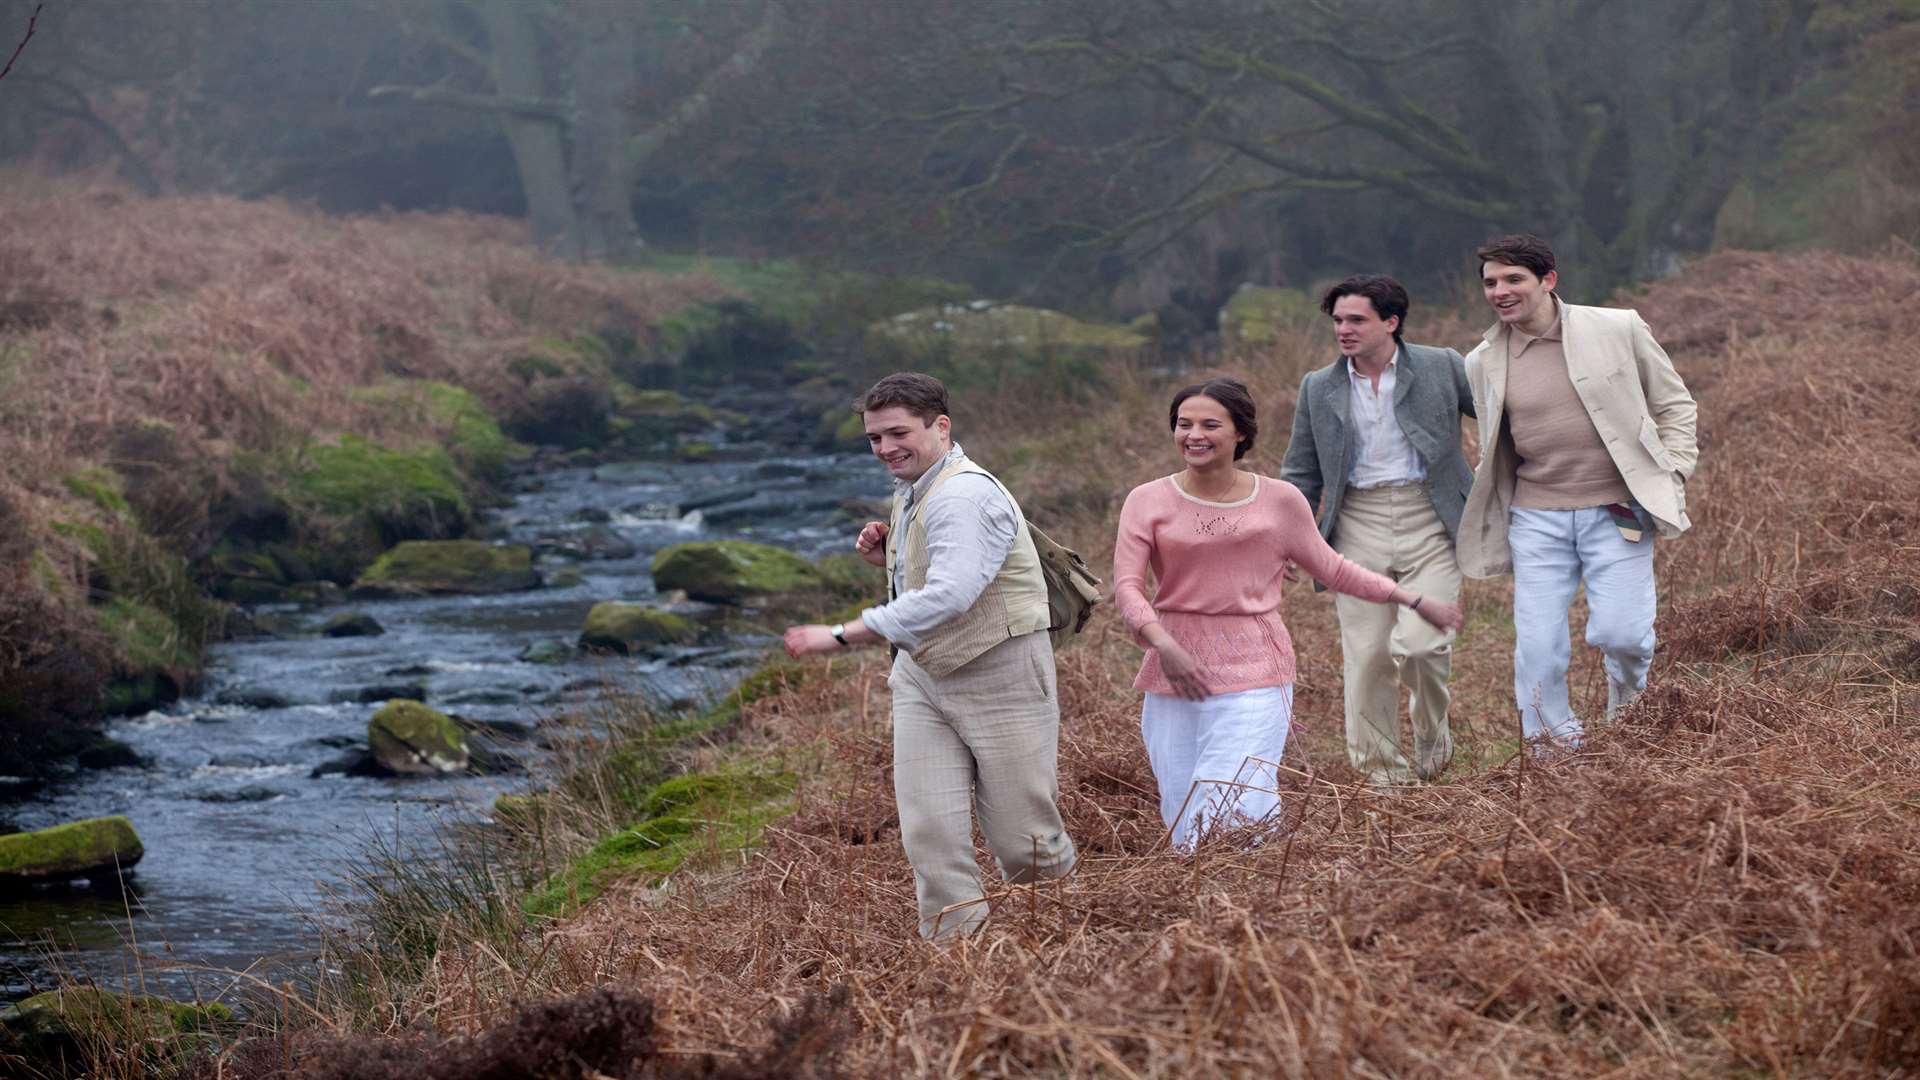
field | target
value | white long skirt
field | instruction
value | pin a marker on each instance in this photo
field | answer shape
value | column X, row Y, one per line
column 1217, row 760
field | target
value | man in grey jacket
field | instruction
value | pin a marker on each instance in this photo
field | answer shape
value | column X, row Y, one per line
column 1376, row 449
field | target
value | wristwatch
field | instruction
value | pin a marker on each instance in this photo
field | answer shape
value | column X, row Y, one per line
column 839, row 632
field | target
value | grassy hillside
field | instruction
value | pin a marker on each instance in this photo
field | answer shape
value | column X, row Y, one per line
column 1723, row 882
column 199, row 393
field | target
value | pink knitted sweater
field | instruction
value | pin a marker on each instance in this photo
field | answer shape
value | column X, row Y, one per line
column 1218, row 566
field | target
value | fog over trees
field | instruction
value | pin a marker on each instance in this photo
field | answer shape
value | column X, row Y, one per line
column 1105, row 154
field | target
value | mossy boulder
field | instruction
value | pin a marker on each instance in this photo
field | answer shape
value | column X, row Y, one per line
column 470, row 567
column 631, row 628
column 91, row 848
column 58, row 1024
column 247, row 577
column 733, row 571
column 1261, row 314
column 410, row 739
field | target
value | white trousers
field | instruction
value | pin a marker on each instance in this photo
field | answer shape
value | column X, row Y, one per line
column 1554, row 553
column 1217, row 760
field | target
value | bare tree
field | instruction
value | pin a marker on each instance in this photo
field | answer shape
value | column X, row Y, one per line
column 565, row 80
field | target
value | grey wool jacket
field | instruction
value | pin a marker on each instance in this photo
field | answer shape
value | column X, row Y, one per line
column 1430, row 394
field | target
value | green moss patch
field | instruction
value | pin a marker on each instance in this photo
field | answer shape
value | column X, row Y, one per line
column 76, row 849
column 681, row 818
column 408, row 494
column 471, row 434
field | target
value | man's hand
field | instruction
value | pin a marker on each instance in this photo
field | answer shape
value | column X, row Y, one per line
column 1289, row 572
column 872, row 543
column 1182, row 672
column 809, row 640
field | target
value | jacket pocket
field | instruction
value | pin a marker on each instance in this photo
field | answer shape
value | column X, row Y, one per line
column 1650, row 439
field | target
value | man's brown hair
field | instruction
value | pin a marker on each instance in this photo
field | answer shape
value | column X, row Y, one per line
column 1519, row 249
column 922, row 395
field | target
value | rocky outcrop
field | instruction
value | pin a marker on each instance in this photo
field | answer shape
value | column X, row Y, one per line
column 471, row 567
column 410, row 739
column 93, row 848
column 733, row 571
column 632, row 628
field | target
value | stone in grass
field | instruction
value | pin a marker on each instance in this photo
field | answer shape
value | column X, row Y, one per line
column 632, row 628
column 352, row 624
column 732, row 571
column 57, row 1024
column 410, row 739
column 441, row 567
column 95, row 847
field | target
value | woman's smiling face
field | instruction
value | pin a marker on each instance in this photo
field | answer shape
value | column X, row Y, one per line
column 1203, row 433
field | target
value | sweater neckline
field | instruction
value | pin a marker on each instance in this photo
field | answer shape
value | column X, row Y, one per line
column 1174, row 481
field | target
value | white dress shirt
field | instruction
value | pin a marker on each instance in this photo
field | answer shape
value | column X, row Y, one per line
column 1381, row 453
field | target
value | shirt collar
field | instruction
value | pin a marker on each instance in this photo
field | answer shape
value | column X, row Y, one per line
column 1522, row 339
column 1392, row 365
column 919, row 487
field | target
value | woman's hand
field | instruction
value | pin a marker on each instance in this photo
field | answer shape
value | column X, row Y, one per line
column 1441, row 614
column 1182, row 671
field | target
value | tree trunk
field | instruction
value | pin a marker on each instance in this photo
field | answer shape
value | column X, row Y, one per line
column 539, row 144
column 603, row 160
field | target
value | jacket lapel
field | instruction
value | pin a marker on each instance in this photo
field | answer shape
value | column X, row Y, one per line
column 1410, row 426
column 1338, row 398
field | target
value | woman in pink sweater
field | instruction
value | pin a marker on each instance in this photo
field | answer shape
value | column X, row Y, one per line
column 1219, row 669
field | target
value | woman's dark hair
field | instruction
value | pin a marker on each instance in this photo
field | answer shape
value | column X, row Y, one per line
column 1233, row 396
column 922, row 395
column 1520, row 249
column 1388, row 297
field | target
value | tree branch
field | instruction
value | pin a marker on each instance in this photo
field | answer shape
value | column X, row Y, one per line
column 695, row 107
column 18, row 49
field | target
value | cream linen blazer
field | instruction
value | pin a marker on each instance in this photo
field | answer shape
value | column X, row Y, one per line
column 1636, row 402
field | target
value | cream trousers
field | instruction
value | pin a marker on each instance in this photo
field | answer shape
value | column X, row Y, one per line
column 1394, row 531
column 985, row 737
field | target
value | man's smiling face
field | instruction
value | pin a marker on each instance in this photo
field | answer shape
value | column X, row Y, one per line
column 1517, row 295
column 907, row 445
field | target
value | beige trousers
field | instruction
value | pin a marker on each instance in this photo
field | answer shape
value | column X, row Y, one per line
column 987, row 736
column 1395, row 531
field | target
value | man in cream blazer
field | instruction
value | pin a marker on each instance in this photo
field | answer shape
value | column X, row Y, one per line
column 1587, row 440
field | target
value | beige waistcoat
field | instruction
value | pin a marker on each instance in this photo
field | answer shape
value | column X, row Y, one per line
column 1014, row 602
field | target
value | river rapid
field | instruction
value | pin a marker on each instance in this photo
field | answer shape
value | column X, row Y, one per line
column 244, row 842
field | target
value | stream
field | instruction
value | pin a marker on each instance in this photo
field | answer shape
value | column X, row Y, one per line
column 243, row 843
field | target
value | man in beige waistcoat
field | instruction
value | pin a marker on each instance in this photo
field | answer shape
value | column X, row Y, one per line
column 1587, row 440
column 976, row 721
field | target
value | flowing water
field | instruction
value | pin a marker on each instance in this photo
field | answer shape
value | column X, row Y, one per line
column 242, row 838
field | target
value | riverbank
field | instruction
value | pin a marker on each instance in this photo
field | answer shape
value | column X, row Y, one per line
column 1721, row 881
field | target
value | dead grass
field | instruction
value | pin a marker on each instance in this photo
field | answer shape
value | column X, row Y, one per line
column 181, row 341
column 1724, row 882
